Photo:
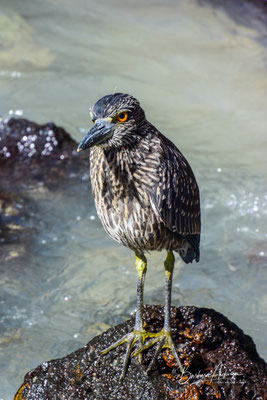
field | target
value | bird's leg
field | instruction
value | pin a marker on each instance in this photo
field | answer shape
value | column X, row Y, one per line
column 169, row 266
column 140, row 264
column 164, row 338
column 138, row 334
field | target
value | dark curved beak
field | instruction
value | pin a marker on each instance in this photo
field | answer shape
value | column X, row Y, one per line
column 101, row 131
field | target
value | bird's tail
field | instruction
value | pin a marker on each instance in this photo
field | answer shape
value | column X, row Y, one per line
column 191, row 251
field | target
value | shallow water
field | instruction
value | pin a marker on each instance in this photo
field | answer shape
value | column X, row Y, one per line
column 201, row 76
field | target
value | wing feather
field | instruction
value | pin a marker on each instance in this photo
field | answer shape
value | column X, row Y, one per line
column 176, row 195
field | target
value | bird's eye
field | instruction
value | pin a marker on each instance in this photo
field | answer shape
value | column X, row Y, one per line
column 122, row 117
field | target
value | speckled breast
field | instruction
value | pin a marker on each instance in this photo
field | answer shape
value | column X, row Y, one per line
column 125, row 209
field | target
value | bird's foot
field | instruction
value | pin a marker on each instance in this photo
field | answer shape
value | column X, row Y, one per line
column 136, row 336
column 164, row 341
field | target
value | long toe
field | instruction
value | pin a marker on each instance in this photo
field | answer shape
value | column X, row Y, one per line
column 164, row 341
column 131, row 339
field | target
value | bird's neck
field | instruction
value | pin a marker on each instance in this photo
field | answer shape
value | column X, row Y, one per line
column 120, row 161
column 122, row 172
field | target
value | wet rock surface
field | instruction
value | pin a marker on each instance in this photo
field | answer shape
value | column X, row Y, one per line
column 32, row 154
column 33, row 158
column 220, row 362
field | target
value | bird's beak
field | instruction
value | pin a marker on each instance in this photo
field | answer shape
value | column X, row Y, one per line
column 101, row 131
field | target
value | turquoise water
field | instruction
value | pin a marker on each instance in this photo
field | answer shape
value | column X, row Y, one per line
column 201, row 77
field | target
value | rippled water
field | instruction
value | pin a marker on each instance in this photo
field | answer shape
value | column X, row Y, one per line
column 201, row 75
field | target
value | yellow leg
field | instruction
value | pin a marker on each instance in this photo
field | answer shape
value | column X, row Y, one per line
column 169, row 266
column 141, row 267
column 138, row 335
column 163, row 338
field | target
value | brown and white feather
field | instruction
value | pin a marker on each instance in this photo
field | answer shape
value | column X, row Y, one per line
column 146, row 194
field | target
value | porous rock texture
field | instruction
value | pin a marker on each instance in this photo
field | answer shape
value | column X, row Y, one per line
column 33, row 154
column 220, row 361
column 32, row 157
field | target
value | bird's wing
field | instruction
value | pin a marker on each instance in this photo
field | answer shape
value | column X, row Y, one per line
column 175, row 197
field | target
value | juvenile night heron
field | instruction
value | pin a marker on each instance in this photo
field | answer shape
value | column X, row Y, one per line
column 147, row 198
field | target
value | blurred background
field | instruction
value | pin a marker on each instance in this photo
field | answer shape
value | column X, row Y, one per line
column 199, row 70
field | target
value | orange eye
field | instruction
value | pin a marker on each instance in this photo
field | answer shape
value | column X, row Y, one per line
column 122, row 117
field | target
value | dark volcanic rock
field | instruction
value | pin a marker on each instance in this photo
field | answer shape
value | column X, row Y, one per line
column 32, row 157
column 220, row 360
column 37, row 154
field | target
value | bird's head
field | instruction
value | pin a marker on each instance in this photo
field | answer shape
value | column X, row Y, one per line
column 116, row 119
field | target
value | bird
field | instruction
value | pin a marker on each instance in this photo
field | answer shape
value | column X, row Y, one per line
column 147, row 199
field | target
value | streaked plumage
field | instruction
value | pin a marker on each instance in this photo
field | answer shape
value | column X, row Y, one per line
column 145, row 192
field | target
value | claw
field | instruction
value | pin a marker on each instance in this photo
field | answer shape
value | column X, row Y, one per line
column 130, row 338
column 153, row 361
column 163, row 338
column 165, row 341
